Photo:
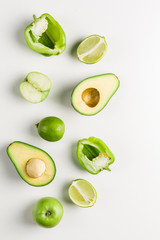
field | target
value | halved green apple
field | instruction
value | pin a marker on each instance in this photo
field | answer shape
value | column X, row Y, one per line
column 36, row 87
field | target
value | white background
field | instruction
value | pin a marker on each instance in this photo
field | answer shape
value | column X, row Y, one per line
column 128, row 203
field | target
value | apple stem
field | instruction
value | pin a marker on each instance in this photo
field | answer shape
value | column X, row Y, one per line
column 48, row 213
column 37, row 125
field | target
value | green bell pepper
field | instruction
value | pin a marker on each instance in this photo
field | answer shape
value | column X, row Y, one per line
column 45, row 36
column 94, row 155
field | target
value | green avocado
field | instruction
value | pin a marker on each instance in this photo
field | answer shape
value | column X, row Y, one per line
column 92, row 94
column 34, row 165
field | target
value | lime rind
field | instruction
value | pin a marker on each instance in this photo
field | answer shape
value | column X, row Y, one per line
column 85, row 200
column 102, row 54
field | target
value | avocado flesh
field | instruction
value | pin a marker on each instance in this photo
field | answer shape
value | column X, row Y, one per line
column 20, row 153
column 92, row 94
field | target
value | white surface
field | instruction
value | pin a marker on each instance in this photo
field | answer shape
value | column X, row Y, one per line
column 128, row 197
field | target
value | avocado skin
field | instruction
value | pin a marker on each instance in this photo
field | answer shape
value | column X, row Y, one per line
column 105, row 74
column 29, row 145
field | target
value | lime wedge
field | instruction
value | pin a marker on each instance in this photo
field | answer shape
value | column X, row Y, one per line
column 92, row 49
column 82, row 193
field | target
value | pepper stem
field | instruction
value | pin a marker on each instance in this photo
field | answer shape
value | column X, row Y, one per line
column 35, row 18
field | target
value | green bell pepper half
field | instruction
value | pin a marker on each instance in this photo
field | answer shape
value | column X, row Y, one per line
column 45, row 35
column 94, row 155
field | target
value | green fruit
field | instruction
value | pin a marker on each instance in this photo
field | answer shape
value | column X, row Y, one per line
column 92, row 94
column 51, row 128
column 47, row 212
column 92, row 49
column 34, row 165
column 36, row 87
column 82, row 193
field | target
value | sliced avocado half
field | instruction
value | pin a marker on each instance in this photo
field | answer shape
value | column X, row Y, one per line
column 92, row 94
column 35, row 166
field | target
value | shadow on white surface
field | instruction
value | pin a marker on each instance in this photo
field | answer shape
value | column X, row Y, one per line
column 73, row 50
column 19, row 34
column 15, row 88
column 64, row 96
column 65, row 196
column 32, row 130
column 74, row 158
column 7, row 165
column 26, row 215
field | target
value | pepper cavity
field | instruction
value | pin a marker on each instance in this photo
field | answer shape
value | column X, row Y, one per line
column 94, row 155
column 45, row 36
column 39, row 26
column 100, row 160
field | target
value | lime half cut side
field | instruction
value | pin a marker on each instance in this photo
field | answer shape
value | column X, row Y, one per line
column 92, row 49
column 82, row 193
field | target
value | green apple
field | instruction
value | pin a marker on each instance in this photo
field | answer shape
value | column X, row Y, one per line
column 47, row 212
column 36, row 87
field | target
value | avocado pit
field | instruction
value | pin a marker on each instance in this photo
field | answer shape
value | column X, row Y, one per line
column 35, row 167
column 91, row 97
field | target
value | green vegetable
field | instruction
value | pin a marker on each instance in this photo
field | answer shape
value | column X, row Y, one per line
column 45, row 36
column 47, row 212
column 94, row 155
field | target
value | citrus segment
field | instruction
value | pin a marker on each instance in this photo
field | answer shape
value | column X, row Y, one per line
column 92, row 49
column 82, row 193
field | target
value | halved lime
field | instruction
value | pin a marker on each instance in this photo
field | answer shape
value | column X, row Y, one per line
column 92, row 49
column 82, row 193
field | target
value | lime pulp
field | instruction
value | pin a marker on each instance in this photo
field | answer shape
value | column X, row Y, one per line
column 82, row 193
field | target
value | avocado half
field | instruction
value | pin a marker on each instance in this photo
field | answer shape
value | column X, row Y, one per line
column 92, row 94
column 35, row 166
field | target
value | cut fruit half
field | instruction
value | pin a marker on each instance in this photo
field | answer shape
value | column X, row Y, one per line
column 82, row 193
column 91, row 95
column 92, row 49
column 36, row 87
column 34, row 165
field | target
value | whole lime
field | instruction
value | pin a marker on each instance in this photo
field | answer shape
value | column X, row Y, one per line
column 51, row 128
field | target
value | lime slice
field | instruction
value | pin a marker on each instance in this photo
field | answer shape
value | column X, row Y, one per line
column 82, row 193
column 92, row 49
